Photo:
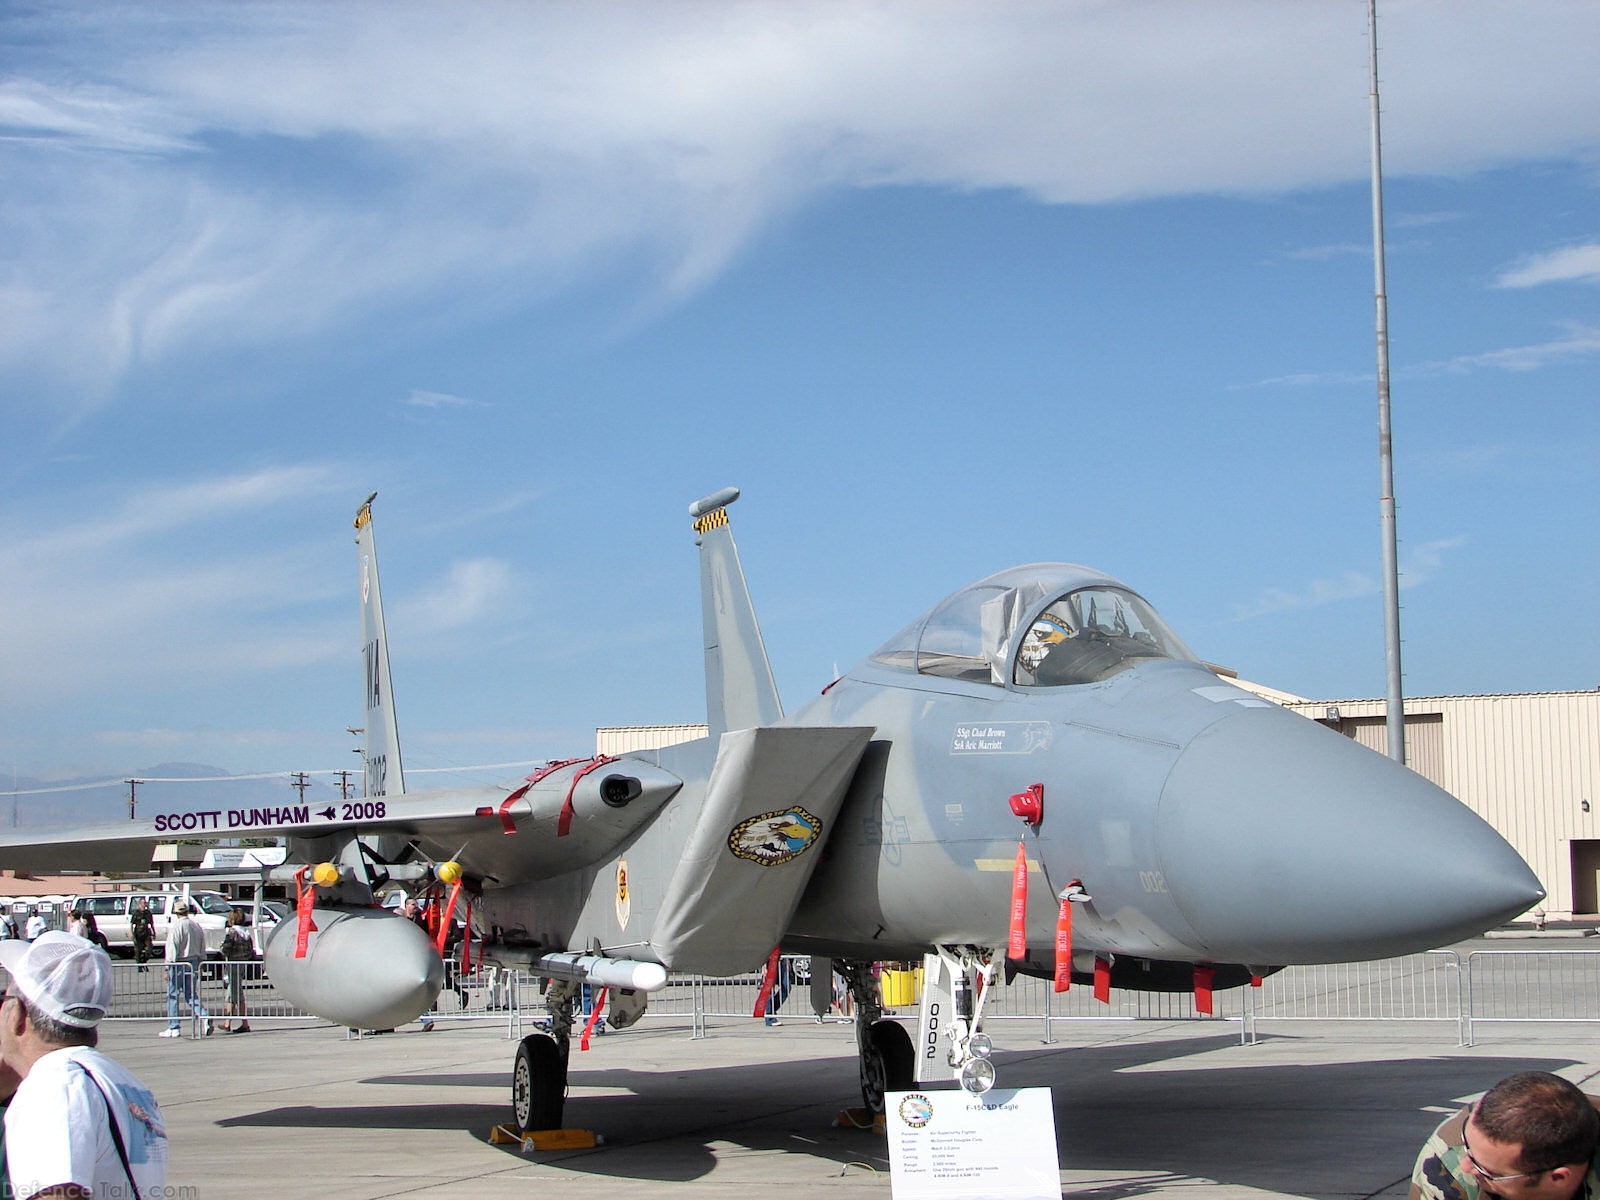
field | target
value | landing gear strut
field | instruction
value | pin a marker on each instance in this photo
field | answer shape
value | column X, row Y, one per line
column 539, row 1075
column 964, row 974
column 888, row 1060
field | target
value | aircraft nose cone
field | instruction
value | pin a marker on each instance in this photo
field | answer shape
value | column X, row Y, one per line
column 1283, row 842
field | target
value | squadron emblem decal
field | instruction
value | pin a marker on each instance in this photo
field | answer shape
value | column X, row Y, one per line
column 624, row 897
column 775, row 837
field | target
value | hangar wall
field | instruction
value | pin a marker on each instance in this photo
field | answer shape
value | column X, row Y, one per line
column 619, row 739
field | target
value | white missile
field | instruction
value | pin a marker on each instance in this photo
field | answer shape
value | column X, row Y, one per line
column 364, row 967
column 602, row 972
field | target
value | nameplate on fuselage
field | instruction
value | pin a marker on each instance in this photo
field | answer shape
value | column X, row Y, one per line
column 1000, row 737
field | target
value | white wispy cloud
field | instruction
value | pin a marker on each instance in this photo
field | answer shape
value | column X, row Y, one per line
column 471, row 591
column 59, row 540
column 1421, row 220
column 1418, row 564
column 1580, row 341
column 1312, row 379
column 1349, row 585
column 1571, row 264
column 1330, row 250
column 496, row 152
column 1421, row 562
column 423, row 399
column 494, row 513
column 151, row 585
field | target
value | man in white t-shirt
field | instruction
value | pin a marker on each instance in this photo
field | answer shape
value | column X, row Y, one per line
column 81, row 1124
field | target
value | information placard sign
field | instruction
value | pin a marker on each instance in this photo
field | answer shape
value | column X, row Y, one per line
column 952, row 1145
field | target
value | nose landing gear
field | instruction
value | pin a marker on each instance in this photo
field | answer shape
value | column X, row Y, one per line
column 963, row 974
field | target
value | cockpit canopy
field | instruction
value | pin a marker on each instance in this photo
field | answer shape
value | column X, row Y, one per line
column 1042, row 625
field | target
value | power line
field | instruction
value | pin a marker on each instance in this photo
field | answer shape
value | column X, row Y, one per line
column 331, row 773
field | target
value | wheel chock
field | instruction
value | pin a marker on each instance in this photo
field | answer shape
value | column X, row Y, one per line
column 544, row 1139
column 859, row 1118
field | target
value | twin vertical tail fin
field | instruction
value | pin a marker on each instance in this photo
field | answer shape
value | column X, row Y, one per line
column 384, row 774
column 740, row 690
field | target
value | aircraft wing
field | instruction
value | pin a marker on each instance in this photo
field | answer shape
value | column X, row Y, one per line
column 454, row 815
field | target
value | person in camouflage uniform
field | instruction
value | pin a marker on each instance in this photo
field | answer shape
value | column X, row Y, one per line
column 143, row 924
column 1531, row 1137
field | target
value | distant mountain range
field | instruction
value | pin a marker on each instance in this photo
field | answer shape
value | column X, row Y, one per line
column 164, row 788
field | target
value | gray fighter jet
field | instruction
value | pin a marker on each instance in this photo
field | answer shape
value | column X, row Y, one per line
column 1041, row 731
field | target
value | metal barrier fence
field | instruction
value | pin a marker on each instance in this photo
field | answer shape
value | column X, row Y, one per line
column 1442, row 985
column 1445, row 986
column 1531, row 985
column 141, row 993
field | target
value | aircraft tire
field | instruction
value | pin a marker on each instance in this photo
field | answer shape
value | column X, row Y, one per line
column 538, row 1083
column 888, row 1063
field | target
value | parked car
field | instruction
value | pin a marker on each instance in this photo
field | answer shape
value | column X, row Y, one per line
column 272, row 911
column 112, row 916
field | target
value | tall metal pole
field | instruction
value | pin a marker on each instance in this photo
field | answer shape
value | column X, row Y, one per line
column 1395, row 718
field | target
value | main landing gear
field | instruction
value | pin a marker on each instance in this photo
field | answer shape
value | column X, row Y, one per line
column 888, row 1061
column 539, row 1076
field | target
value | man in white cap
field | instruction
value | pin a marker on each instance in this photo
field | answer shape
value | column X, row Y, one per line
column 81, row 1124
column 186, row 950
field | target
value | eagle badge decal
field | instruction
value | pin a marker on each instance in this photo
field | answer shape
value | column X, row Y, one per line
column 776, row 837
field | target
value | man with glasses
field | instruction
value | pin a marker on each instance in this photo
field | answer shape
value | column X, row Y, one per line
column 81, row 1124
column 1531, row 1137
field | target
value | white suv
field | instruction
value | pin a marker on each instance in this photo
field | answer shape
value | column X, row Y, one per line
column 112, row 912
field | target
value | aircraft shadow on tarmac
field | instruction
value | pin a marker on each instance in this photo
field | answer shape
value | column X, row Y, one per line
column 1130, row 1109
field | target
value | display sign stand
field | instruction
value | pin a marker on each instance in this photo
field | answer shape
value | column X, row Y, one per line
column 949, row 1144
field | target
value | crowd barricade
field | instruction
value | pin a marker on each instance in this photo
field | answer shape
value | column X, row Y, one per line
column 139, row 991
column 1444, row 986
column 1542, row 986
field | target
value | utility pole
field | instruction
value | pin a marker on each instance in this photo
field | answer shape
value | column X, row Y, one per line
column 301, row 782
column 133, row 796
column 344, row 784
column 1395, row 721
column 362, row 751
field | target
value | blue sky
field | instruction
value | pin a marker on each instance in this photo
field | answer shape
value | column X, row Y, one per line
column 943, row 287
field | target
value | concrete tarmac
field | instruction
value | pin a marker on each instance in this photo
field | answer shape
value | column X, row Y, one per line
column 1142, row 1109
